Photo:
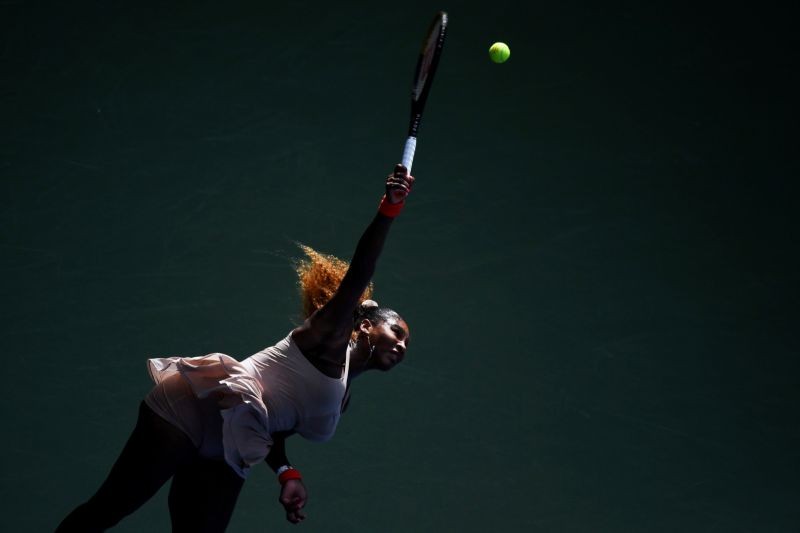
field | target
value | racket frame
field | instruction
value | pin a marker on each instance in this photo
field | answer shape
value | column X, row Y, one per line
column 419, row 94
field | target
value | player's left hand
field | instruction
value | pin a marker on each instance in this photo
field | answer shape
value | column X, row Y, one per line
column 293, row 498
column 398, row 184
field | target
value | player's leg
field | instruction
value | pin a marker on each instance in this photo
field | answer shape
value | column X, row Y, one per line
column 151, row 456
column 202, row 496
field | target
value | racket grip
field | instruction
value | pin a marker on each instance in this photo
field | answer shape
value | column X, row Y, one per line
column 408, row 153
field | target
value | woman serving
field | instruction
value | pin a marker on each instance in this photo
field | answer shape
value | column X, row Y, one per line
column 209, row 419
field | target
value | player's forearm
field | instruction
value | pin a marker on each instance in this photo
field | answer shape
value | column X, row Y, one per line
column 365, row 258
column 276, row 457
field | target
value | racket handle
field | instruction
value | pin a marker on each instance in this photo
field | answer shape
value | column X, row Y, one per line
column 408, row 153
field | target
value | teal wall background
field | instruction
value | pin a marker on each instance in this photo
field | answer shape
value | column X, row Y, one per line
column 599, row 261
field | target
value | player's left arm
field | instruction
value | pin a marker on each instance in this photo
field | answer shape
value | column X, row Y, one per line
column 293, row 495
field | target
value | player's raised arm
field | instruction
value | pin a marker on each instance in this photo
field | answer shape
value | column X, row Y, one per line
column 335, row 318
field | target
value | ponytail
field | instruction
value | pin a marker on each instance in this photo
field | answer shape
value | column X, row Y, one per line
column 319, row 276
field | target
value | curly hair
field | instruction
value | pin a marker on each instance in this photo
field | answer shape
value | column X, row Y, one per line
column 319, row 276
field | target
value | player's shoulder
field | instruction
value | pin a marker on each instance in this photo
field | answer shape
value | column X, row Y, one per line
column 319, row 339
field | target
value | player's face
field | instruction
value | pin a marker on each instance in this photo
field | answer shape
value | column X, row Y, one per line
column 390, row 341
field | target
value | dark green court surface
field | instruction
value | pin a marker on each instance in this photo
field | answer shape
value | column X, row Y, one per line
column 598, row 263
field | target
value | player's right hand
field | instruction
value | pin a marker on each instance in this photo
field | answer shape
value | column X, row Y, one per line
column 398, row 184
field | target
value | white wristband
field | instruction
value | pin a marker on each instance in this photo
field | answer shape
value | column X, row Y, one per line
column 283, row 469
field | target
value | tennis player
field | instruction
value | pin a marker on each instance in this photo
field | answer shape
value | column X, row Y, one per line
column 209, row 419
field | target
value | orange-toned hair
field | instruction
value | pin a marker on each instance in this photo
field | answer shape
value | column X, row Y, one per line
column 319, row 276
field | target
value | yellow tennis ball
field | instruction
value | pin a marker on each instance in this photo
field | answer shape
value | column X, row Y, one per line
column 499, row 52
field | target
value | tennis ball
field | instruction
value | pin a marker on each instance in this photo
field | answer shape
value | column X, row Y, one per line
column 499, row 52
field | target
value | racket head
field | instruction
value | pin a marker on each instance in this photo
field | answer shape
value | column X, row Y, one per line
column 428, row 60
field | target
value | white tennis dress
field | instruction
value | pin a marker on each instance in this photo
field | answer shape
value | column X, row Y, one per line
column 276, row 389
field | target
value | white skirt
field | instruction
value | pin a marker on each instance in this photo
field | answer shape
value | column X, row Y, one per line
column 222, row 382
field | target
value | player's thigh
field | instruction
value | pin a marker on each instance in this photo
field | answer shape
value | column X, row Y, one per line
column 202, row 496
column 153, row 453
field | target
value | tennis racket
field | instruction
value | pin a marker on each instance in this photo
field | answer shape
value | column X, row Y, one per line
column 423, row 79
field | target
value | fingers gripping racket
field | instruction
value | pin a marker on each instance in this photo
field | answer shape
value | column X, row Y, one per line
column 423, row 79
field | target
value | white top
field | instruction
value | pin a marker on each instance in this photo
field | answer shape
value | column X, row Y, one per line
column 276, row 389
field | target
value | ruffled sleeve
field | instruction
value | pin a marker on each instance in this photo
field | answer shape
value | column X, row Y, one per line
column 245, row 429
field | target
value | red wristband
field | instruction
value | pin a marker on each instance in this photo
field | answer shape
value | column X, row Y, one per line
column 291, row 473
column 388, row 209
